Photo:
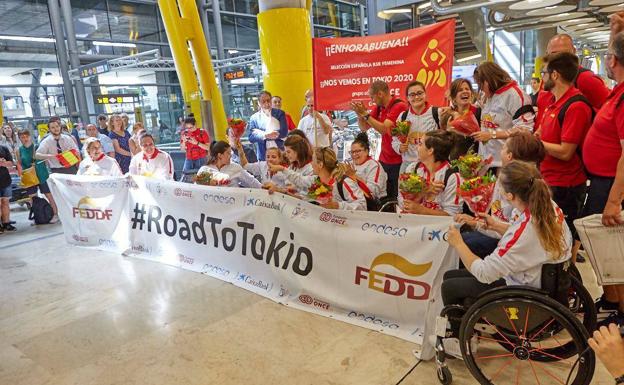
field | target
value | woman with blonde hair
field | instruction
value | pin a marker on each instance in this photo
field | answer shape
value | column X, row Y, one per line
column 98, row 163
column 121, row 142
column 346, row 194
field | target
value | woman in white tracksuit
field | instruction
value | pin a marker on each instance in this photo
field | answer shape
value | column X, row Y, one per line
column 368, row 172
column 422, row 117
column 505, row 107
column 327, row 170
column 261, row 169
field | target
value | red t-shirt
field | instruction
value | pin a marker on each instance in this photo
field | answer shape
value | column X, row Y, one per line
column 392, row 112
column 193, row 151
column 576, row 123
column 602, row 148
column 590, row 85
column 291, row 124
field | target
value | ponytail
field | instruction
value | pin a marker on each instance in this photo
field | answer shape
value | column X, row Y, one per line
column 217, row 148
column 524, row 181
column 327, row 158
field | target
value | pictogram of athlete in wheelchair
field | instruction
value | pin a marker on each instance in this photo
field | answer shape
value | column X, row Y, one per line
column 520, row 314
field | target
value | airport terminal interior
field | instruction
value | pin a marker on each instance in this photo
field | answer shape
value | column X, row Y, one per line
column 367, row 148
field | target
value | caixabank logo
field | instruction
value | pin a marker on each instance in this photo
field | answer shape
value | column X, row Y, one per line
column 87, row 208
column 393, row 284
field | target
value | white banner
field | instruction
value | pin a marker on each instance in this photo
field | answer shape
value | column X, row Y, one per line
column 379, row 271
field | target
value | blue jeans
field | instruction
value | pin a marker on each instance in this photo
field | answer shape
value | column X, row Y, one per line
column 193, row 164
column 480, row 244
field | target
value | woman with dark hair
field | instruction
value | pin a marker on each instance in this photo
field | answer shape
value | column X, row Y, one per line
column 369, row 174
column 441, row 197
column 505, row 107
column 220, row 161
column 346, row 193
column 422, row 117
column 461, row 98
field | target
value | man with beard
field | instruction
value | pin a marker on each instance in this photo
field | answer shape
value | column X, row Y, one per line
column 603, row 154
column 55, row 144
column 565, row 123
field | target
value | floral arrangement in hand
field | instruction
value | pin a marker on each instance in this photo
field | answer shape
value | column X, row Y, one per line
column 401, row 130
column 238, row 126
column 471, row 165
column 477, row 192
column 411, row 186
column 466, row 124
column 208, row 178
column 320, row 192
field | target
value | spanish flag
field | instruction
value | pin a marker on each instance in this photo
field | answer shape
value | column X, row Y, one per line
column 68, row 158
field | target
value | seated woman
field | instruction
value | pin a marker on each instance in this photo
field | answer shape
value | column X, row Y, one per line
column 369, row 174
column 220, row 161
column 151, row 162
column 523, row 146
column 346, row 194
column 441, row 197
column 538, row 236
column 98, row 163
column 261, row 169
column 298, row 153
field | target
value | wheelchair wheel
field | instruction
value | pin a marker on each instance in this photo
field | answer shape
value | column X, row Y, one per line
column 444, row 376
column 517, row 331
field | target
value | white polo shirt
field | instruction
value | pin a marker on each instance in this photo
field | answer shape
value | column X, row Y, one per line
column 159, row 165
column 306, row 124
column 48, row 147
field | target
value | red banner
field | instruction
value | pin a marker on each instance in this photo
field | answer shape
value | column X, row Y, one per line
column 344, row 68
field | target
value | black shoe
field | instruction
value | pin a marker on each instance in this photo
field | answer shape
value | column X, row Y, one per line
column 580, row 258
column 8, row 227
column 1, row 229
column 615, row 318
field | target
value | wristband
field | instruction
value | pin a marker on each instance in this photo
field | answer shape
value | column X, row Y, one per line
column 366, row 117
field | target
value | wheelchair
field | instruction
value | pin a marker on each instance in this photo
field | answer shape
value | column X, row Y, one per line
column 523, row 335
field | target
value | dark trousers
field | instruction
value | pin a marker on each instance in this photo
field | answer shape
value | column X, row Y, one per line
column 392, row 186
column 480, row 244
column 73, row 170
column 570, row 201
column 597, row 195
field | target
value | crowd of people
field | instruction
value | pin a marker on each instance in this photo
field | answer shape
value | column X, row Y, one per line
column 558, row 155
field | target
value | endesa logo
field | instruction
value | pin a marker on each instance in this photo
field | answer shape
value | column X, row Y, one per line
column 260, row 203
column 311, row 301
column 385, row 229
column 87, row 209
column 392, row 284
column 331, row 218
column 221, row 199
column 183, row 193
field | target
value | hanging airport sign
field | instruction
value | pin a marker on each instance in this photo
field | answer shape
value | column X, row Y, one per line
column 344, row 68
column 116, row 98
column 232, row 75
column 93, row 69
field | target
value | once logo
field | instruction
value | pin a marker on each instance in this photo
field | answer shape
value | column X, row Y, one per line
column 182, row 193
column 303, row 298
column 87, row 209
column 372, row 319
column 222, row 199
column 385, row 229
column 392, row 284
column 331, row 218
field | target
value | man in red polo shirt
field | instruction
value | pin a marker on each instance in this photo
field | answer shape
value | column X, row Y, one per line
column 603, row 154
column 383, row 118
column 562, row 167
column 590, row 84
column 196, row 142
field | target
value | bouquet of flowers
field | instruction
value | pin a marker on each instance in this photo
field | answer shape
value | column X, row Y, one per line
column 466, row 124
column 411, row 186
column 471, row 165
column 238, row 126
column 402, row 129
column 206, row 177
column 477, row 192
column 320, row 192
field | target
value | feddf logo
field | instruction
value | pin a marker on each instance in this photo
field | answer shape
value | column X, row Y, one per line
column 87, row 209
column 392, row 284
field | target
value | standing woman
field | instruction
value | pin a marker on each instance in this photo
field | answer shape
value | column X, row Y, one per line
column 9, row 138
column 121, row 142
column 422, row 117
column 505, row 107
column 461, row 97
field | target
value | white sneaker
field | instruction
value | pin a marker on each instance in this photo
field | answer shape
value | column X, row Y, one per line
column 55, row 219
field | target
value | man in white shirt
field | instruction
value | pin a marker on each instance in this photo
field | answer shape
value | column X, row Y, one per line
column 151, row 162
column 54, row 144
column 322, row 136
column 107, row 143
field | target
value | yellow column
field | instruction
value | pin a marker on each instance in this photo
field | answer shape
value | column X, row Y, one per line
column 203, row 66
column 286, row 48
column 538, row 67
column 177, row 33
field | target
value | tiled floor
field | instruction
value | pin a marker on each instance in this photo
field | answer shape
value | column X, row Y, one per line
column 75, row 316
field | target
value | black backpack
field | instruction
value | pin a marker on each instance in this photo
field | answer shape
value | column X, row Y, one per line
column 40, row 211
column 564, row 109
column 434, row 113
